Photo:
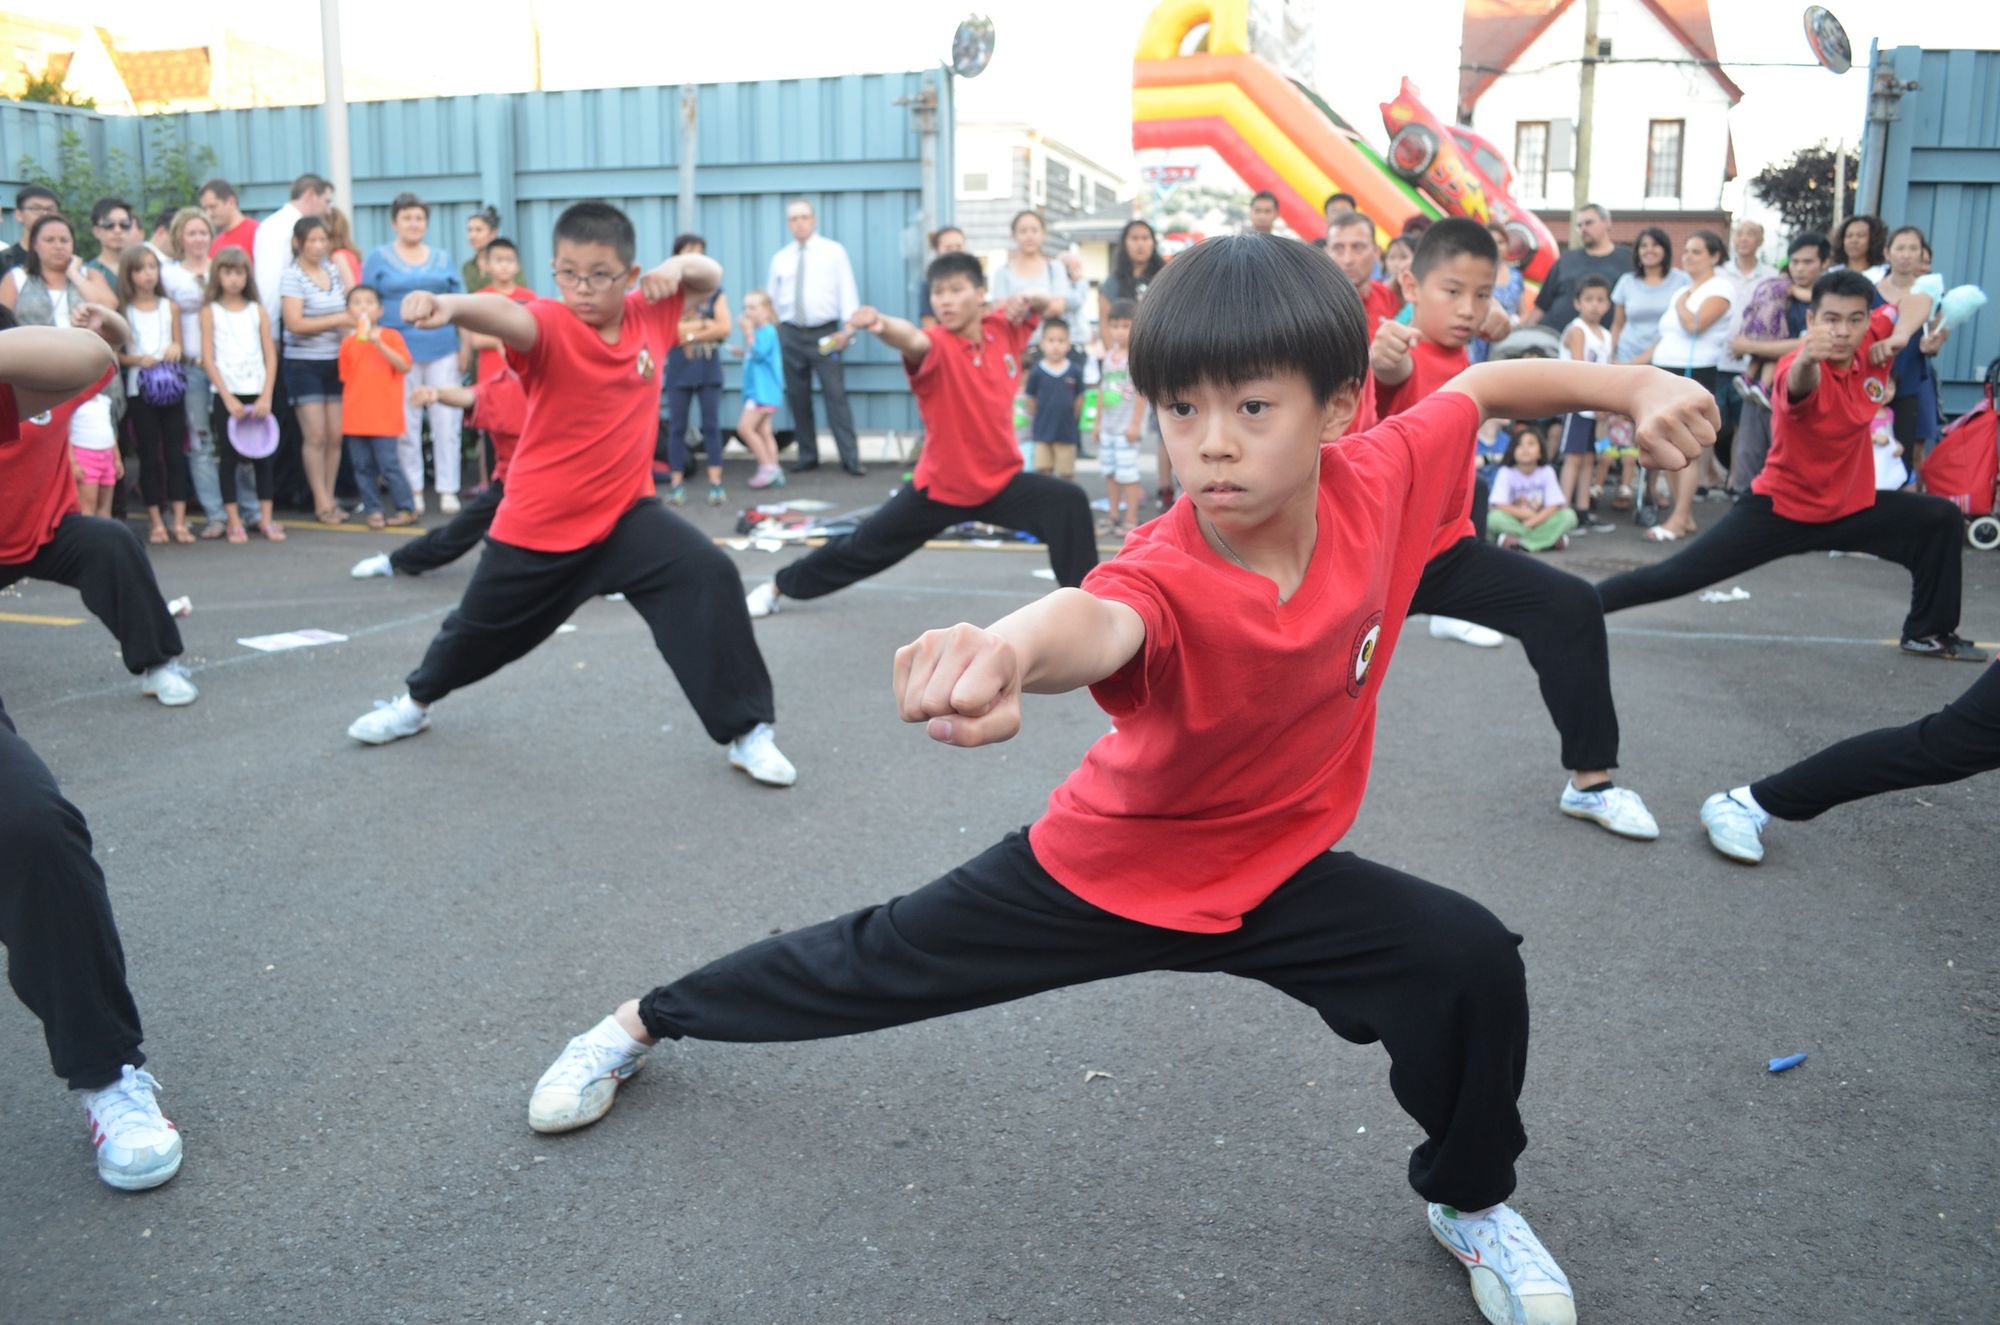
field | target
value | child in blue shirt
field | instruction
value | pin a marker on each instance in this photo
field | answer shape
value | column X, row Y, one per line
column 1056, row 387
column 763, row 388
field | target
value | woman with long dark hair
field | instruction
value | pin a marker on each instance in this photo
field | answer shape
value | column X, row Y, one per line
column 1862, row 245
column 1135, row 264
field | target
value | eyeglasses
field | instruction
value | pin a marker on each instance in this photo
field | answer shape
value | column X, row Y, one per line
column 126, row 224
column 596, row 280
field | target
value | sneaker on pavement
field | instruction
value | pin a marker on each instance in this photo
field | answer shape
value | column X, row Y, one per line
column 137, row 1147
column 1618, row 809
column 1562, row 542
column 581, row 1084
column 416, row 503
column 756, row 753
column 763, row 600
column 169, row 684
column 1509, row 543
column 1465, row 632
column 1514, row 1279
column 717, row 494
column 369, row 568
column 390, row 720
column 448, row 503
column 1947, row 646
column 677, row 495
column 1733, row 828
column 1592, row 522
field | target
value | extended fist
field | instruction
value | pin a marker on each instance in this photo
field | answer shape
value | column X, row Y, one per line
column 963, row 683
column 424, row 311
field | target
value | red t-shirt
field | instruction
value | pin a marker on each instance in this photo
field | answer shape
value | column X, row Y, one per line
column 1382, row 302
column 586, row 451
column 371, row 390
column 965, row 393
column 1432, row 365
column 36, row 487
column 1822, row 464
column 242, row 235
column 1245, row 725
column 492, row 363
column 500, row 407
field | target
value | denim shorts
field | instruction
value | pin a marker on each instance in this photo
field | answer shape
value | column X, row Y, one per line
column 308, row 381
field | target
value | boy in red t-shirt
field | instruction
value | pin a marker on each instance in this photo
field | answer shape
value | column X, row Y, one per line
column 1817, row 488
column 579, row 519
column 965, row 372
column 497, row 406
column 1472, row 585
column 1197, row 835
column 502, row 263
column 44, row 534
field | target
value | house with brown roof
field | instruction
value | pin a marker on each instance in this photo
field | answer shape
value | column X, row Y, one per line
column 1660, row 150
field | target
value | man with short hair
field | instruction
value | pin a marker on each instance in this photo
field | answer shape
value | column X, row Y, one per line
column 1263, row 212
column 1350, row 242
column 1772, row 326
column 1595, row 255
column 31, row 204
column 161, row 241
column 813, row 293
column 226, row 221
column 1339, row 204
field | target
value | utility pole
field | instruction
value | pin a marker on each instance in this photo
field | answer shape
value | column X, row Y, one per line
column 338, row 168
column 1586, row 106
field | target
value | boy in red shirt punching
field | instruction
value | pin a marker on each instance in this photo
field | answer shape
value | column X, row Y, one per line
column 1817, row 489
column 1197, row 835
column 579, row 519
column 965, row 372
column 1468, row 580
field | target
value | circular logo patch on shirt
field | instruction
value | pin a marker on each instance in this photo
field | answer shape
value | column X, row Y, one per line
column 1013, row 368
column 1362, row 660
column 1876, row 389
column 42, row 419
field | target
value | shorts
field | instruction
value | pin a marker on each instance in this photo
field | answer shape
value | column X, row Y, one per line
column 1058, row 458
column 310, row 381
column 100, row 468
column 1579, row 435
column 755, row 407
column 1119, row 457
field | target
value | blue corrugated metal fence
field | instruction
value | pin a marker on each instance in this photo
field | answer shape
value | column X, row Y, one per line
column 845, row 143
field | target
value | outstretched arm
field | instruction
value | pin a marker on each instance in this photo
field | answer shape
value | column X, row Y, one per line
column 1675, row 416
column 966, row 683
column 48, row 365
column 906, row 338
column 503, row 319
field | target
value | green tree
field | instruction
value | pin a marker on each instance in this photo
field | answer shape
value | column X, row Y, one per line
column 48, row 88
column 1801, row 189
column 78, row 181
column 174, row 168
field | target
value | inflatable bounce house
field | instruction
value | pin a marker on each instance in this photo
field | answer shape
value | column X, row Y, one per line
column 1277, row 135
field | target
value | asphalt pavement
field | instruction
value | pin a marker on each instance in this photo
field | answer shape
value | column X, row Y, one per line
column 353, row 963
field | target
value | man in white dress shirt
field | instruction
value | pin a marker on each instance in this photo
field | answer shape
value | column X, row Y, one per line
column 812, row 289
column 270, row 255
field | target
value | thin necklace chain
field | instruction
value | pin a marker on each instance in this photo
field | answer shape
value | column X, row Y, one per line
column 1233, row 554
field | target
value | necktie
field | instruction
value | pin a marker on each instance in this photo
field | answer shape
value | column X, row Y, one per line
column 799, row 290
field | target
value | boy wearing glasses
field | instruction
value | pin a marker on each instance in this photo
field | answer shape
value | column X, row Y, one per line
column 579, row 519
column 111, row 222
column 31, row 204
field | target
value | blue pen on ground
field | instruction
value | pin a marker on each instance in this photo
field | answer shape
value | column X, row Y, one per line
column 1782, row 1064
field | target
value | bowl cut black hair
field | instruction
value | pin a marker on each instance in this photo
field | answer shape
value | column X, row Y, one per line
column 1453, row 237
column 1239, row 307
column 1846, row 283
column 947, row 265
column 598, row 223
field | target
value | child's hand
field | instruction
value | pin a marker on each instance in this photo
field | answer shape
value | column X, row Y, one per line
column 173, row 353
column 118, row 462
column 75, row 469
column 1674, row 418
column 424, row 397
column 1389, row 355
column 660, row 283
column 262, row 409
column 1498, row 323
column 232, row 404
column 422, row 310
column 963, row 682
column 148, row 361
column 364, row 327
column 1132, row 433
column 866, row 318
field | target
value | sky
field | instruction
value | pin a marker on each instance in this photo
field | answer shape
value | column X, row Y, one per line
column 1061, row 65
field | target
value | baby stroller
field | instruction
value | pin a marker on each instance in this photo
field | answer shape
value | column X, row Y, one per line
column 1964, row 466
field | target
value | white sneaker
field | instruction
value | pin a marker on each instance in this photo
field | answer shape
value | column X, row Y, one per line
column 390, row 720
column 580, row 1086
column 1514, row 1279
column 1733, row 828
column 1479, row 637
column 137, row 1147
column 763, row 600
column 756, row 753
column 1616, row 808
column 169, row 684
column 416, row 503
column 369, row 568
column 448, row 503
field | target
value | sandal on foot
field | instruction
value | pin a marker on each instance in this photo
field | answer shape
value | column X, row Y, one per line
column 237, row 534
column 272, row 531
column 182, row 534
column 376, row 521
column 158, row 534
column 401, row 518
column 211, row 531
column 1659, row 533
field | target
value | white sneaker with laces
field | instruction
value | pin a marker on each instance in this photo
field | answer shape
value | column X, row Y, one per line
column 1465, row 632
column 390, row 720
column 137, row 1147
column 762, row 600
column 416, row 503
column 375, row 567
column 448, row 503
column 1514, row 1279
column 756, row 753
column 1733, row 828
column 579, row 1086
column 1618, row 809
column 169, row 684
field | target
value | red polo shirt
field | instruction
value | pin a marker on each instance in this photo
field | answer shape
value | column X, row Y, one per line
column 1822, row 464
column 965, row 391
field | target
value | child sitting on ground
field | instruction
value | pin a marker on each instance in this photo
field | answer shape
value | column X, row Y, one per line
column 1118, row 414
column 1527, row 509
column 373, row 363
column 1056, row 387
column 763, row 388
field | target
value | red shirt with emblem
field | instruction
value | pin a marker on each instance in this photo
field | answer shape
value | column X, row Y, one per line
column 492, row 363
column 1431, row 366
column 1822, row 463
column 1245, row 725
column 965, row 392
column 37, row 488
column 500, row 406
column 586, row 451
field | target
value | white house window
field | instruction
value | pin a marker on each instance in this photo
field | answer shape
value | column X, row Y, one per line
column 975, row 182
column 1531, row 157
column 1663, row 158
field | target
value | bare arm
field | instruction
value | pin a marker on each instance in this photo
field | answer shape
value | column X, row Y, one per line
column 48, row 365
column 966, row 683
column 1695, row 321
column 695, row 275
column 400, row 362
column 1617, row 329
column 1675, row 416
column 296, row 321
column 1911, row 311
column 270, row 363
column 906, row 338
column 503, row 319
column 458, row 397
